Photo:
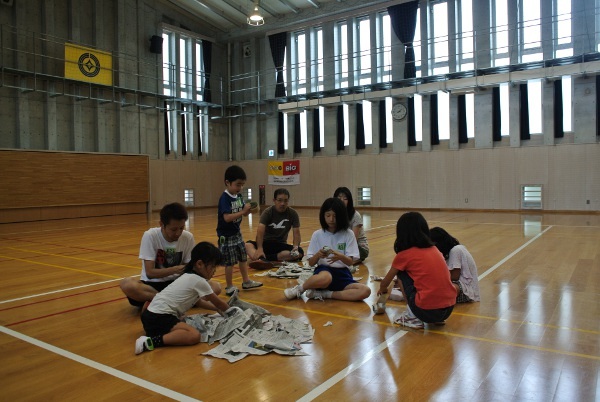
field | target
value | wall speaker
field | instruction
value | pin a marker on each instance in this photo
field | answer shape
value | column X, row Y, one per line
column 156, row 44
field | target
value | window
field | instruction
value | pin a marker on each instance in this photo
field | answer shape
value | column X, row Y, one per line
column 317, row 60
column 168, row 70
column 470, row 107
column 248, row 195
column 534, row 94
column 464, row 43
column 567, row 83
column 322, row 126
column 362, row 57
column 531, row 196
column 285, row 131
column 368, row 121
column 199, row 71
column 384, row 46
column 303, row 129
column 438, row 45
column 499, row 32
column 298, row 63
column 563, row 43
column 346, row 125
column 182, row 66
column 417, row 44
column 185, row 70
column 188, row 197
column 443, row 115
column 341, row 55
column 418, row 117
column 389, row 121
column 364, row 196
column 504, row 109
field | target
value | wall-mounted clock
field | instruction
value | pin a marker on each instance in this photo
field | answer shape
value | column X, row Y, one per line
column 399, row 111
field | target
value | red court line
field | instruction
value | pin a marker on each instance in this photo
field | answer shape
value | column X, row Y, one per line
column 63, row 312
column 55, row 298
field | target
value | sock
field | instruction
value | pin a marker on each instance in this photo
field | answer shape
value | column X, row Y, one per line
column 327, row 294
column 157, row 341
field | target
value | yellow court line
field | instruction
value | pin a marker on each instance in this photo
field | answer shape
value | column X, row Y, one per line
column 59, row 266
column 73, row 258
column 587, row 331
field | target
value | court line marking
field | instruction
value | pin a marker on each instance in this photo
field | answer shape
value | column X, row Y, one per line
column 169, row 393
column 59, row 266
column 339, row 376
column 73, row 258
column 58, row 291
column 508, row 257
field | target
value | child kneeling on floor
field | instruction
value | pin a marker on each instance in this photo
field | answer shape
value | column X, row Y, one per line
column 163, row 319
column 423, row 276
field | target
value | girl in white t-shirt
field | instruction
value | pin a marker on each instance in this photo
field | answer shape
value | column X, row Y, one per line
column 334, row 249
column 356, row 221
column 163, row 319
column 463, row 270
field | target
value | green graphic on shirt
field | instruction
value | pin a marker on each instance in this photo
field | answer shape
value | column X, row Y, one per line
column 341, row 246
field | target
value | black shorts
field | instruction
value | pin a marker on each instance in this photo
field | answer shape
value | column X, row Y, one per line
column 159, row 286
column 158, row 324
column 272, row 248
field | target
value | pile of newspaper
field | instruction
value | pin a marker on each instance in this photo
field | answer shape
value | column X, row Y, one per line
column 289, row 270
column 252, row 331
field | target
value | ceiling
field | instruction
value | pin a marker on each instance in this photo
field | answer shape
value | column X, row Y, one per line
column 227, row 18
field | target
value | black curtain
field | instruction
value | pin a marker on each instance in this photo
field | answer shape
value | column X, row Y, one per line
column 382, row 125
column 433, row 119
column 278, row 43
column 207, row 57
column 523, row 113
column 462, row 119
column 166, row 121
column 316, row 130
column 198, row 131
column 340, row 128
column 360, row 127
column 559, row 132
column 496, row 115
column 297, row 132
column 403, row 18
column 183, row 133
column 280, row 144
column 412, row 140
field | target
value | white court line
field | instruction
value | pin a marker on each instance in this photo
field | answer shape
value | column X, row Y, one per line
column 101, row 367
column 59, row 291
column 354, row 366
column 508, row 257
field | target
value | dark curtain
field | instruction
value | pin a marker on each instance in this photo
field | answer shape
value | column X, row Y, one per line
column 280, row 144
column 166, row 117
column 412, row 140
column 340, row 128
column 403, row 18
column 198, row 131
column 207, row 57
column 360, row 127
column 462, row 119
column 382, row 125
column 523, row 113
column 316, row 130
column 183, row 132
column 558, row 110
column 496, row 115
column 597, row 105
column 278, row 43
column 297, row 132
column 433, row 120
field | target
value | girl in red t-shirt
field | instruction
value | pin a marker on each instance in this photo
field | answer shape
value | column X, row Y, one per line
column 423, row 276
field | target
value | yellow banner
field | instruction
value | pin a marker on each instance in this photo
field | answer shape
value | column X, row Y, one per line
column 89, row 65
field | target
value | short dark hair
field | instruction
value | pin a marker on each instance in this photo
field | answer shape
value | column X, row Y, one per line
column 174, row 211
column 443, row 240
column 206, row 252
column 348, row 194
column 341, row 216
column 281, row 191
column 233, row 173
column 412, row 230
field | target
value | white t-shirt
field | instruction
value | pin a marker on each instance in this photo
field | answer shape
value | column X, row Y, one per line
column 361, row 238
column 154, row 247
column 461, row 258
column 342, row 241
column 181, row 295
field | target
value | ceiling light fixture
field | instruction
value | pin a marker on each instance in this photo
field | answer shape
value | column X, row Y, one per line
column 255, row 19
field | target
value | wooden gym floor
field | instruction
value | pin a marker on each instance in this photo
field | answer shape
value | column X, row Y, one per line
column 67, row 332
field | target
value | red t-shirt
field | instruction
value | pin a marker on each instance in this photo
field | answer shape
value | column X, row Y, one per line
column 427, row 268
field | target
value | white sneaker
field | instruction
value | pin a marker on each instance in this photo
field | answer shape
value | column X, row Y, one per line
column 250, row 284
column 407, row 321
column 230, row 290
column 142, row 344
column 293, row 293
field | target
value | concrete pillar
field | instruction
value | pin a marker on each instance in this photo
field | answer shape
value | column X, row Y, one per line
column 483, row 119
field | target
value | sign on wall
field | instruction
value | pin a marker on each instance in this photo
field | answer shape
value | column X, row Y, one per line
column 87, row 64
column 284, row 173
